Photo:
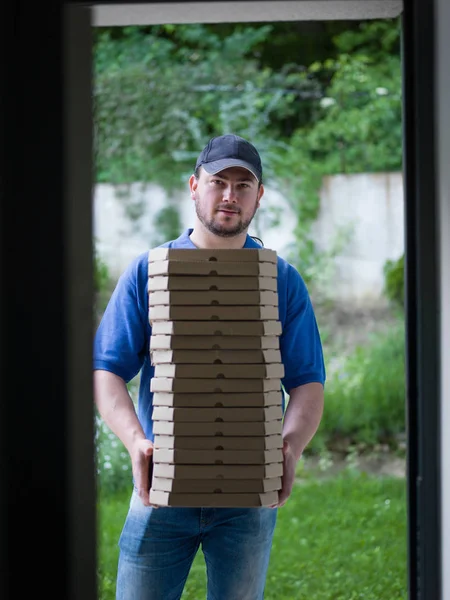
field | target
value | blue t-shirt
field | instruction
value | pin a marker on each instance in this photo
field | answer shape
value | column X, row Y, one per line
column 122, row 341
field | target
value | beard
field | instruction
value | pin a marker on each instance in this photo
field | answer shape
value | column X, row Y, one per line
column 223, row 229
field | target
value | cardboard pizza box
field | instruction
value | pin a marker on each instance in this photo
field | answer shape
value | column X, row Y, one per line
column 211, row 486
column 212, row 313
column 249, row 500
column 260, row 428
column 213, row 386
column 214, row 415
column 222, row 255
column 266, row 442
column 248, row 400
column 214, row 342
column 211, row 282
column 255, row 371
column 213, row 298
column 217, row 471
column 217, row 457
column 224, row 357
column 217, row 328
column 206, row 268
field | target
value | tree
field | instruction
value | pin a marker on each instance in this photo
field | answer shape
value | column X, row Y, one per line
column 356, row 126
column 159, row 97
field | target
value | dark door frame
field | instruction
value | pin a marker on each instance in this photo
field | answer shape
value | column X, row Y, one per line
column 47, row 476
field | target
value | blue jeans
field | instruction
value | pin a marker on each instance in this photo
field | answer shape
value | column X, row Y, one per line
column 158, row 546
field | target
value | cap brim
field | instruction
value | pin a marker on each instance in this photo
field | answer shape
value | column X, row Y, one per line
column 225, row 163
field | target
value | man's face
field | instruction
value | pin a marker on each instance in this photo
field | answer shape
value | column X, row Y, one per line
column 226, row 203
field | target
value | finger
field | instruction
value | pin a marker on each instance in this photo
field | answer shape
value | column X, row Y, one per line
column 285, row 492
column 146, row 447
column 144, row 496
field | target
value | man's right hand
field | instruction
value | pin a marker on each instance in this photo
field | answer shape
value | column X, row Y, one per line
column 141, row 457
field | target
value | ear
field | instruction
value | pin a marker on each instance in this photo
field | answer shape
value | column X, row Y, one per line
column 193, row 184
column 260, row 195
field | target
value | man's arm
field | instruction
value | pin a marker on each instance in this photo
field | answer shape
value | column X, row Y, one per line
column 301, row 421
column 117, row 410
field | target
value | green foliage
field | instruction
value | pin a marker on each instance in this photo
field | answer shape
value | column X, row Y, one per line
column 101, row 274
column 337, row 539
column 356, row 127
column 394, row 276
column 167, row 225
column 365, row 399
column 112, row 458
column 103, row 284
column 162, row 92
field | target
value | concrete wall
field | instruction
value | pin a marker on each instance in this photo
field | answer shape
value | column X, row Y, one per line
column 368, row 210
column 364, row 212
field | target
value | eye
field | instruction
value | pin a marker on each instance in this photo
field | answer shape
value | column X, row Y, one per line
column 217, row 182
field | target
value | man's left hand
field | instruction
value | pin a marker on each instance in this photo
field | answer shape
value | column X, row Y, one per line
column 287, row 481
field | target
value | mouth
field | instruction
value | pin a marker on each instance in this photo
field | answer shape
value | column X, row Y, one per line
column 225, row 211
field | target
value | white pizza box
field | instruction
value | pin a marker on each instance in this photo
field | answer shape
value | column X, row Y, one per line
column 248, row 400
column 206, row 268
column 213, row 298
column 211, row 415
column 249, row 500
column 224, row 357
column 211, row 282
column 213, row 386
column 212, row 313
column 203, row 443
column 218, row 328
column 213, row 255
column 217, row 471
column 219, row 429
column 211, row 486
column 255, row 371
column 216, row 457
column 214, row 342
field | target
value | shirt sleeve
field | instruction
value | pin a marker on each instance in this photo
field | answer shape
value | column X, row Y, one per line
column 300, row 343
column 121, row 340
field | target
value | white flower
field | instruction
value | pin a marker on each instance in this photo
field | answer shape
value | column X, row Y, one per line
column 326, row 102
column 107, row 465
column 381, row 91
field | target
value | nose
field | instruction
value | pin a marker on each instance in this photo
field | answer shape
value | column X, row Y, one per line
column 230, row 194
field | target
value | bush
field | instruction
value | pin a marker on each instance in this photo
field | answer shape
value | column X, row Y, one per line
column 113, row 461
column 112, row 458
column 394, row 278
column 365, row 399
column 103, row 285
column 101, row 274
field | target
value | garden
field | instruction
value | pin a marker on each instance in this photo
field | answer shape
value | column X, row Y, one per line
column 319, row 101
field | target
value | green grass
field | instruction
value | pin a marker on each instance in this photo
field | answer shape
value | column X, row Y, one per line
column 365, row 396
column 337, row 539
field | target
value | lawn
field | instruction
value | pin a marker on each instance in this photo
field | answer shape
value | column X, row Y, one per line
column 336, row 539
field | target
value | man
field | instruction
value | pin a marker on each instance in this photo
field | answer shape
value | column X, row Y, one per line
column 158, row 545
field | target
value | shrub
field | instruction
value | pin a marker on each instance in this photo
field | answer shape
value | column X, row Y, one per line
column 113, row 461
column 112, row 458
column 394, row 278
column 365, row 399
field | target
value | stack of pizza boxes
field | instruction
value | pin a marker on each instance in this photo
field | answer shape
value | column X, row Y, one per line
column 217, row 399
